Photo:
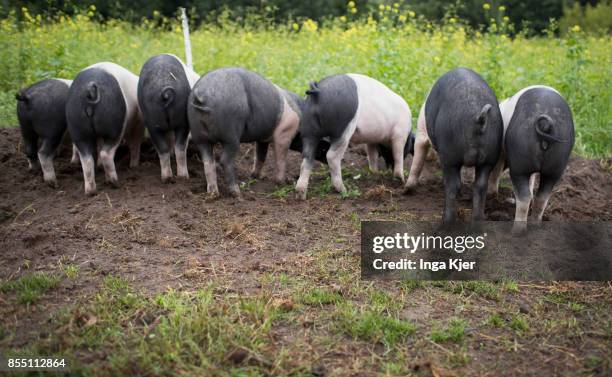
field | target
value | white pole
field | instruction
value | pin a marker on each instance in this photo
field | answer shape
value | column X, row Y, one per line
column 188, row 57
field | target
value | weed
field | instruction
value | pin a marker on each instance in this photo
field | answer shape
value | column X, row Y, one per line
column 29, row 288
column 454, row 332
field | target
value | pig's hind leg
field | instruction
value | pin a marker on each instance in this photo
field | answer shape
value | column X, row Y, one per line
column 522, row 192
column 75, row 155
column 180, row 151
column 540, row 202
column 479, row 189
column 227, row 161
column 134, row 139
column 334, row 160
column 86, row 149
column 308, row 153
column 45, row 156
column 452, row 183
column 496, row 174
column 421, row 147
column 107, row 157
column 160, row 142
column 261, row 151
column 30, row 143
column 210, row 167
column 397, row 146
column 372, row 150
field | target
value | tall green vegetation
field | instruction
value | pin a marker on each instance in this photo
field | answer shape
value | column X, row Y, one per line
column 396, row 46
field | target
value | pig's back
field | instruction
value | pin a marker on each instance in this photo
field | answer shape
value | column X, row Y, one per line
column 241, row 99
column 380, row 110
column 45, row 109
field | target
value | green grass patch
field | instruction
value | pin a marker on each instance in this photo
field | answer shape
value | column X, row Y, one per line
column 496, row 320
column 29, row 288
column 454, row 332
column 410, row 285
column 519, row 323
column 388, row 49
column 485, row 289
column 320, row 296
column 70, row 270
column 373, row 326
column 158, row 335
column 282, row 191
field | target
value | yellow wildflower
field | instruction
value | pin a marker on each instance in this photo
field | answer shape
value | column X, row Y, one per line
column 486, row 6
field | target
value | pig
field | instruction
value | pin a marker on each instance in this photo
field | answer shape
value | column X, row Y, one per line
column 538, row 139
column 462, row 120
column 353, row 108
column 42, row 120
column 101, row 110
column 230, row 106
column 163, row 89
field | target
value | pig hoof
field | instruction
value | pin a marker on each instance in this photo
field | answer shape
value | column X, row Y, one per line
column 519, row 229
column 300, row 195
column 212, row 195
column 409, row 189
column 183, row 176
column 91, row 192
column 167, row 179
column 341, row 189
column 113, row 184
column 53, row 184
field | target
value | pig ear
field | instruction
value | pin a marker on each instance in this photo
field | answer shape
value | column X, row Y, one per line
column 314, row 89
column 22, row 96
column 481, row 119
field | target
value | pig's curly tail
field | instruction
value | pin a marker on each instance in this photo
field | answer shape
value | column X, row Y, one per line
column 544, row 126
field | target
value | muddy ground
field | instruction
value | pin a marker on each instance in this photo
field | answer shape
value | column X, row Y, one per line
column 160, row 236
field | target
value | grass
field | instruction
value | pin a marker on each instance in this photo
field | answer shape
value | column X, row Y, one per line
column 403, row 51
column 454, row 332
column 319, row 296
column 519, row 323
column 169, row 331
column 373, row 326
column 29, row 288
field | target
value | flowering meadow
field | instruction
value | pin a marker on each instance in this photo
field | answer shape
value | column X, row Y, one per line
column 392, row 44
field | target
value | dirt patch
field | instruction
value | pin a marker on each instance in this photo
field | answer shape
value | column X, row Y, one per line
column 171, row 235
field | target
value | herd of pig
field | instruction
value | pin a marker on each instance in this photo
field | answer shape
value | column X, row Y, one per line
column 531, row 133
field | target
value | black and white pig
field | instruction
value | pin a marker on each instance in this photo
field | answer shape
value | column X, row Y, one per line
column 229, row 106
column 538, row 139
column 102, row 109
column 462, row 120
column 41, row 110
column 352, row 108
column 163, row 89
